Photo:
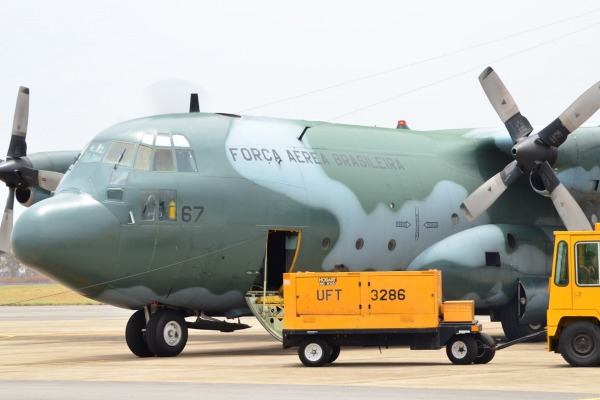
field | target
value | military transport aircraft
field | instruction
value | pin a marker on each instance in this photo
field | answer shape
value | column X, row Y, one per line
column 180, row 215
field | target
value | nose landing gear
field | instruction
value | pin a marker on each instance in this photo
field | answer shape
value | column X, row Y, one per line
column 164, row 335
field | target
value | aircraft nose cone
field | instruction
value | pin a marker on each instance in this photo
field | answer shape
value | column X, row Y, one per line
column 71, row 238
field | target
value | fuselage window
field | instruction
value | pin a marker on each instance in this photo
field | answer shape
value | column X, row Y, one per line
column 143, row 158
column 159, row 205
column 163, row 160
column 167, row 205
column 185, row 161
column 94, row 152
column 120, row 153
column 148, row 205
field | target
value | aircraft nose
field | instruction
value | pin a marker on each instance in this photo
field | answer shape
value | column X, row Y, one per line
column 71, row 238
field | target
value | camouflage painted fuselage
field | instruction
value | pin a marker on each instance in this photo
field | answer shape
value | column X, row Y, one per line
column 368, row 198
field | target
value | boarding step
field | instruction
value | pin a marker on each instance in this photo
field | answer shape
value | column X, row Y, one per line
column 267, row 307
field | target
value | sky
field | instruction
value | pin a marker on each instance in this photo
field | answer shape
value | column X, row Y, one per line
column 91, row 64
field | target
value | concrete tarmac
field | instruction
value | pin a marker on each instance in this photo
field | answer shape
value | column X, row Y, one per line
column 79, row 352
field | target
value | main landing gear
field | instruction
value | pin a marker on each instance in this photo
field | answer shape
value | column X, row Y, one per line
column 164, row 333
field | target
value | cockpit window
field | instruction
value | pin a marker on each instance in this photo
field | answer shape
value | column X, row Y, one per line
column 163, row 140
column 163, row 160
column 143, row 158
column 120, row 153
column 161, row 152
column 180, row 141
column 148, row 139
column 94, row 152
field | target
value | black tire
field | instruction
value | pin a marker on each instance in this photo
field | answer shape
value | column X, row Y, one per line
column 579, row 344
column 462, row 349
column 166, row 333
column 486, row 349
column 135, row 335
column 509, row 317
column 335, row 353
column 314, row 352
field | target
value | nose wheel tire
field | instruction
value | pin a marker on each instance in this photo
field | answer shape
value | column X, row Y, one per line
column 314, row 352
column 135, row 336
column 461, row 349
column 166, row 333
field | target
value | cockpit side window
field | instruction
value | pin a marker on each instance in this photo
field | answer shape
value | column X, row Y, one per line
column 185, row 160
column 94, row 152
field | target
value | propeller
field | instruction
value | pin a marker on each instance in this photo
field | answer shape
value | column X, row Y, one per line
column 535, row 153
column 17, row 172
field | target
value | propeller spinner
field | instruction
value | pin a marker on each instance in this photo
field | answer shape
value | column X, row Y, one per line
column 535, row 153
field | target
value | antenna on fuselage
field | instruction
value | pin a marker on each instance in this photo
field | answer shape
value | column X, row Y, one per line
column 194, row 103
column 303, row 132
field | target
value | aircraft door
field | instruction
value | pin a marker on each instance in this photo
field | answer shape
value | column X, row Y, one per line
column 281, row 253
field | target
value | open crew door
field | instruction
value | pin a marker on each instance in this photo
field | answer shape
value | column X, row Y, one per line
column 281, row 251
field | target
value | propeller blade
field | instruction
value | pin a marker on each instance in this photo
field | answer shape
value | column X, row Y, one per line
column 517, row 125
column 18, row 146
column 572, row 118
column 7, row 222
column 485, row 195
column 568, row 209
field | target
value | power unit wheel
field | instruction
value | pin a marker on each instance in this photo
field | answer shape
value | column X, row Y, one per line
column 486, row 349
column 335, row 353
column 314, row 352
column 166, row 333
column 135, row 335
column 461, row 349
column 579, row 344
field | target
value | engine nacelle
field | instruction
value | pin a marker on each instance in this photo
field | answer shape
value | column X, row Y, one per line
column 535, row 180
column 31, row 195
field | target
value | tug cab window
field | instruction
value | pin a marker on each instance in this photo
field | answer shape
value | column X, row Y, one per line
column 587, row 263
column 561, row 275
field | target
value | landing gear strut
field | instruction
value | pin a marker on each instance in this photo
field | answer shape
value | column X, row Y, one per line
column 509, row 316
